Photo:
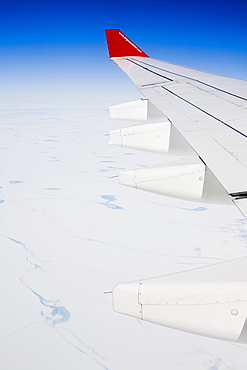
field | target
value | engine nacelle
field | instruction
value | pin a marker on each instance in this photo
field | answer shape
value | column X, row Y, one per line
column 209, row 301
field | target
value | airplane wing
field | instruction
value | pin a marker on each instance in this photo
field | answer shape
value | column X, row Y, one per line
column 203, row 114
column 202, row 119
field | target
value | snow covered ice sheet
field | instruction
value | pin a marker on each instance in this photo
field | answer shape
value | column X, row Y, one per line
column 69, row 233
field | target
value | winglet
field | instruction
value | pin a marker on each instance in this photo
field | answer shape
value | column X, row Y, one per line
column 120, row 45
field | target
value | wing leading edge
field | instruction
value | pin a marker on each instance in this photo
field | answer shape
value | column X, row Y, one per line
column 201, row 117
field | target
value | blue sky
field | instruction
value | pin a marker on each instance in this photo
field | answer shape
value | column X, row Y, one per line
column 49, row 44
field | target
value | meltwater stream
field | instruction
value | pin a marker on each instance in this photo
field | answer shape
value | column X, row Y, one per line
column 55, row 314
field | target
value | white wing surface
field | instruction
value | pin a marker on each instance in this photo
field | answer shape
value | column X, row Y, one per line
column 208, row 110
column 203, row 118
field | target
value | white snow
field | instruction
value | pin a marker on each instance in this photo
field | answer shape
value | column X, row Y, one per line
column 70, row 232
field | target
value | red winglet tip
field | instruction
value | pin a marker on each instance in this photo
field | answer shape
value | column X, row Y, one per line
column 120, row 45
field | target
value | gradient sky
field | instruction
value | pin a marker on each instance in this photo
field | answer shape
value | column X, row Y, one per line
column 46, row 46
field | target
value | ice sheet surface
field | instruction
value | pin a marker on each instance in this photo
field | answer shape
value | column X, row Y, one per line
column 69, row 233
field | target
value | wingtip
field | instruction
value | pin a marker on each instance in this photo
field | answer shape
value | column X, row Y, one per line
column 119, row 45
